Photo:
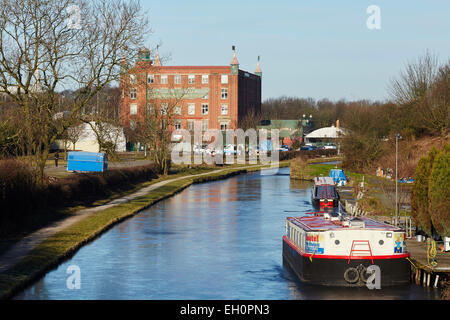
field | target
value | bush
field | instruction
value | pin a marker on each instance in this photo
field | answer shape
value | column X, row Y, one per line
column 24, row 202
column 300, row 169
column 18, row 191
column 431, row 191
column 439, row 193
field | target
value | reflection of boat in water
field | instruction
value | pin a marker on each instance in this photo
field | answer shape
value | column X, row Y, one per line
column 324, row 193
column 332, row 250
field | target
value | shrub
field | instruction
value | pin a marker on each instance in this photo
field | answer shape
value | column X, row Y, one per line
column 439, row 193
column 23, row 202
column 18, row 190
column 300, row 169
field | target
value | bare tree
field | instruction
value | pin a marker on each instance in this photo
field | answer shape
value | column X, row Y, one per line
column 74, row 134
column 422, row 89
column 51, row 45
column 155, row 128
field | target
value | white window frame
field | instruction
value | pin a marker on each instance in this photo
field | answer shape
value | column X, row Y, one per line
column 205, row 124
column 191, row 108
column 177, row 110
column 223, row 126
column 177, row 124
column 177, row 79
column 224, row 107
column 191, row 78
column 191, row 125
column 164, row 79
column 205, row 78
column 203, row 108
column 133, row 79
column 133, row 108
column 151, row 78
column 224, row 79
column 133, row 93
column 224, row 93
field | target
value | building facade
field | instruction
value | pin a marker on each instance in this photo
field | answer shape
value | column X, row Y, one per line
column 215, row 96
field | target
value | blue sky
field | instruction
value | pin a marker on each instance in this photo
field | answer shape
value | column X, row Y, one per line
column 308, row 48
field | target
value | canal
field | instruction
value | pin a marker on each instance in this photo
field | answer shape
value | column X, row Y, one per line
column 217, row 240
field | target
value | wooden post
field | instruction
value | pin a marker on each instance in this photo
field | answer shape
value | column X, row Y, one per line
column 436, row 281
column 424, row 278
column 428, row 279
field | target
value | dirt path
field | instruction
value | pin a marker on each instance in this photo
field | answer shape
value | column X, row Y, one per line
column 18, row 251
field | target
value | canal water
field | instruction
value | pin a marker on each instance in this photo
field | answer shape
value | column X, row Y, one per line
column 217, row 240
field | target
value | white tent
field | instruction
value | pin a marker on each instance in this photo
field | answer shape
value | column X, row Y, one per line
column 88, row 141
column 325, row 133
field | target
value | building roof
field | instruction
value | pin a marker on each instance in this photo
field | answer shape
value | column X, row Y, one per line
column 327, row 132
column 234, row 60
column 157, row 62
column 281, row 124
column 258, row 68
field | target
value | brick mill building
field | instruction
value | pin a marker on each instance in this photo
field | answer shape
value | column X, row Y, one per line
column 217, row 96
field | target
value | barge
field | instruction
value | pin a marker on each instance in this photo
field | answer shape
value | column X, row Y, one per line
column 324, row 193
column 333, row 250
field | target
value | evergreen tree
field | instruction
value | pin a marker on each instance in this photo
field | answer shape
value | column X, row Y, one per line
column 439, row 192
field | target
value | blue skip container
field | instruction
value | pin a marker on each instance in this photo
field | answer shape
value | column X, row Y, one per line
column 338, row 176
column 87, row 161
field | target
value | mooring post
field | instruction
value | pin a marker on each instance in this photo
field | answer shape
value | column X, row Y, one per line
column 428, row 279
column 424, row 278
column 436, row 281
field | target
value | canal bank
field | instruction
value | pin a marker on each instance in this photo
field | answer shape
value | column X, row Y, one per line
column 33, row 257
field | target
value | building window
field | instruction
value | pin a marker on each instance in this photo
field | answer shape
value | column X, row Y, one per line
column 150, row 109
column 224, row 109
column 223, row 126
column 205, row 78
column 163, row 79
column 177, row 79
column 191, row 125
column 191, row 108
column 133, row 108
column 151, row 78
column 177, row 110
column 133, row 93
column 164, row 107
column 191, row 79
column 204, row 108
column 224, row 93
column 224, row 79
column 177, row 124
column 204, row 125
column 133, row 79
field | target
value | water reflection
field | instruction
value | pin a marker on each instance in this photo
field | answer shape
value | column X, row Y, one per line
column 218, row 240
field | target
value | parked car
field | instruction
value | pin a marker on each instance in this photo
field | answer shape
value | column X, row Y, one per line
column 308, row 147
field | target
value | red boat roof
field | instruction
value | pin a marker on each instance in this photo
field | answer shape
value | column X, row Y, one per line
column 319, row 223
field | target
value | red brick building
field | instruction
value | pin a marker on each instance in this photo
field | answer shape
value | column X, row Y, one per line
column 218, row 96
